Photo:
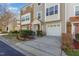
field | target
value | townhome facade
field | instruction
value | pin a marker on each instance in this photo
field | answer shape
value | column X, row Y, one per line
column 39, row 17
column 18, row 24
column 53, row 21
column 52, row 18
column 46, row 18
column 71, row 18
column 26, row 17
column 11, row 24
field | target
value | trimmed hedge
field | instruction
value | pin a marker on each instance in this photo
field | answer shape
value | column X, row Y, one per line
column 27, row 33
column 39, row 33
column 13, row 32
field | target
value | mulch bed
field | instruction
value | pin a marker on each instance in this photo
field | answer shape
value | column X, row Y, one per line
column 76, row 44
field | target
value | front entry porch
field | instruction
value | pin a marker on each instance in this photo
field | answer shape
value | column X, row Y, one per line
column 73, row 29
column 37, row 27
column 74, row 25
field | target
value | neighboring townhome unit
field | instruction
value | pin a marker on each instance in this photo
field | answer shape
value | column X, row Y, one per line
column 11, row 24
column 38, row 22
column 71, row 18
column 26, row 17
column 18, row 27
column 53, row 20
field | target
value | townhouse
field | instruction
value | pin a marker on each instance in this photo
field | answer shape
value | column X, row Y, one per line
column 46, row 18
column 38, row 22
column 18, row 24
column 26, row 17
column 53, row 18
column 62, row 18
column 8, row 25
column 11, row 24
column 71, row 18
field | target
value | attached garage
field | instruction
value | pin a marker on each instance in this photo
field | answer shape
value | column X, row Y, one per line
column 53, row 29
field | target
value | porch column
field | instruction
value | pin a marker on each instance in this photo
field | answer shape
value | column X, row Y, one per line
column 73, row 28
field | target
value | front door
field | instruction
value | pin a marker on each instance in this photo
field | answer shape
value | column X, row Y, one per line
column 76, row 28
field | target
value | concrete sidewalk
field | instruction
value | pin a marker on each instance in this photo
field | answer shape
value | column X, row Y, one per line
column 45, row 46
column 1, row 34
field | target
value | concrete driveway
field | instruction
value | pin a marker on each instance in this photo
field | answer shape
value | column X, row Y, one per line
column 45, row 46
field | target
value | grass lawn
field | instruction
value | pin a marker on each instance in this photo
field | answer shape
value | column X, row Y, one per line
column 72, row 53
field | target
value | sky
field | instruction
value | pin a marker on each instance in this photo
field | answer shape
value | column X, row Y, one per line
column 15, row 7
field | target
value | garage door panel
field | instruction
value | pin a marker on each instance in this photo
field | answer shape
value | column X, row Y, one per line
column 54, row 30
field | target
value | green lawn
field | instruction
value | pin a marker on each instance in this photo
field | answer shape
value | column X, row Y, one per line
column 72, row 53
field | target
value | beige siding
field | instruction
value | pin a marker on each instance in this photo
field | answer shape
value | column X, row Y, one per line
column 62, row 17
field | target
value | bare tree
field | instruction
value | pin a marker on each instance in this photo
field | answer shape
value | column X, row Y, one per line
column 6, row 16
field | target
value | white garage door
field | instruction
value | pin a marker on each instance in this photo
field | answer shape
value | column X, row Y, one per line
column 53, row 29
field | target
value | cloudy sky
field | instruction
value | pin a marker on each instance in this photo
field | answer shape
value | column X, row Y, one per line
column 14, row 7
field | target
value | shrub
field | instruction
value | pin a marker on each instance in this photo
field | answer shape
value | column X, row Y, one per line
column 26, row 33
column 39, row 33
column 13, row 32
column 4, row 32
column 0, row 29
column 77, row 36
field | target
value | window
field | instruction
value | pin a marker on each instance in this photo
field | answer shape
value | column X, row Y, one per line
column 39, row 3
column 47, row 12
column 23, row 19
column 56, row 9
column 27, row 18
column 77, row 11
column 52, row 10
column 39, row 15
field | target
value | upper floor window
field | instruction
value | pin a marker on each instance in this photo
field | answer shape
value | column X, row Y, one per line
column 76, row 10
column 56, row 9
column 52, row 10
column 39, row 3
column 39, row 16
column 47, row 12
column 25, row 18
